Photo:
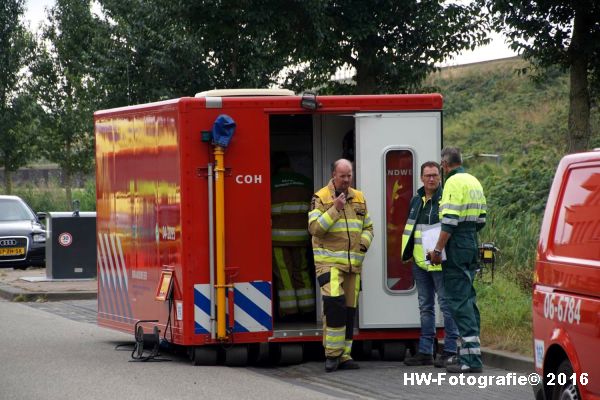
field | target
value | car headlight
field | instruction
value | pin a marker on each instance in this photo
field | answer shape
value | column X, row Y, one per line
column 39, row 238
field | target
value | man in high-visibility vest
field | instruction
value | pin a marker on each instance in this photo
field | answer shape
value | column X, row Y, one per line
column 463, row 213
column 290, row 194
column 342, row 233
column 423, row 218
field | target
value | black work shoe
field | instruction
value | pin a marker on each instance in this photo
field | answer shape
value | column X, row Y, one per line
column 419, row 359
column 445, row 359
column 350, row 364
column 462, row 369
column 331, row 364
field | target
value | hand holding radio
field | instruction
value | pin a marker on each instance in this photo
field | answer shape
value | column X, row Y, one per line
column 339, row 201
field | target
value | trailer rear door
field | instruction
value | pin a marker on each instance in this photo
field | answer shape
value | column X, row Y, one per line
column 390, row 147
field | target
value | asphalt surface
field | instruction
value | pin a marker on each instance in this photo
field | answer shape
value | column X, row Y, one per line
column 375, row 380
column 77, row 299
column 47, row 357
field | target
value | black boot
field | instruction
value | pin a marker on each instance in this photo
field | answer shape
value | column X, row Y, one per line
column 419, row 359
column 349, row 364
column 331, row 364
column 445, row 359
column 462, row 369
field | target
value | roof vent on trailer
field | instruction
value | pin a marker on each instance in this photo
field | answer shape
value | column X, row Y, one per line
column 245, row 92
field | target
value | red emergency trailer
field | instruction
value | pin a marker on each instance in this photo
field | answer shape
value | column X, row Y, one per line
column 184, row 226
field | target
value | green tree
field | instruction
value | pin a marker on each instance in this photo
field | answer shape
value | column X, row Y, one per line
column 16, row 47
column 19, row 135
column 145, row 52
column 65, row 88
column 391, row 45
column 247, row 42
column 558, row 32
column 154, row 49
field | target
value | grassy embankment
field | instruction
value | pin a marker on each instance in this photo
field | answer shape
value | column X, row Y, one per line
column 491, row 109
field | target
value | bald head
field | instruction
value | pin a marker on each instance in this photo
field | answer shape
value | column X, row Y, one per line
column 342, row 174
column 341, row 161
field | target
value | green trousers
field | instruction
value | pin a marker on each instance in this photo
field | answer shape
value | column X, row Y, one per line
column 459, row 272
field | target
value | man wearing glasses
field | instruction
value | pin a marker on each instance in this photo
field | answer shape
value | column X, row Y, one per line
column 423, row 221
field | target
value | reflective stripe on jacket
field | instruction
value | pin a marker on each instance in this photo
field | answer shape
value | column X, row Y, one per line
column 290, row 196
column 412, row 246
column 463, row 204
column 339, row 235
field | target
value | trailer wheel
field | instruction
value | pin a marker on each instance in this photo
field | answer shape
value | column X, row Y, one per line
column 259, row 353
column 236, row 356
column 362, row 349
column 392, row 351
column 204, row 355
column 290, row 353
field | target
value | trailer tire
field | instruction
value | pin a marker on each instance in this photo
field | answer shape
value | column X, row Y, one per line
column 290, row 353
column 392, row 351
column 204, row 355
column 362, row 349
column 259, row 353
column 236, row 356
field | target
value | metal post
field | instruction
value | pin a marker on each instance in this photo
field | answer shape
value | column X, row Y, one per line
column 220, row 240
column 211, row 249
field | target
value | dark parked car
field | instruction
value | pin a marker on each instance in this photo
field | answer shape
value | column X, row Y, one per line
column 22, row 235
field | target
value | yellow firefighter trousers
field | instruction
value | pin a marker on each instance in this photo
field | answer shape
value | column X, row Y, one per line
column 339, row 290
column 292, row 280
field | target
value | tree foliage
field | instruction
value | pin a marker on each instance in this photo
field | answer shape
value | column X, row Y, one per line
column 16, row 47
column 391, row 45
column 158, row 49
column 154, row 49
column 65, row 89
column 144, row 54
column 558, row 32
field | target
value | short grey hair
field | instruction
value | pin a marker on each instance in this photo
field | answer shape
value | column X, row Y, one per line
column 452, row 155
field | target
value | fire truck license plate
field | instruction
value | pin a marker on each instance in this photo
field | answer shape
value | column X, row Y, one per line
column 12, row 251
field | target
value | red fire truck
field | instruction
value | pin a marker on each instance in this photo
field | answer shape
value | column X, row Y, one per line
column 184, row 223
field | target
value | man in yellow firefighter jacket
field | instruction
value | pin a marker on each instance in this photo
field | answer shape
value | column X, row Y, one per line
column 342, row 233
column 290, row 193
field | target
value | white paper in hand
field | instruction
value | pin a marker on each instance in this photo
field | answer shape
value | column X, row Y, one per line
column 429, row 239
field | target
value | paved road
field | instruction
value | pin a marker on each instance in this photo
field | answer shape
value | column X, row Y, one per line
column 375, row 380
column 44, row 356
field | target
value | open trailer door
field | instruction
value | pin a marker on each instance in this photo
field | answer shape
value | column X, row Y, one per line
column 390, row 147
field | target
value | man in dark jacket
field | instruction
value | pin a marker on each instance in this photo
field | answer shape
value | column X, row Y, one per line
column 423, row 217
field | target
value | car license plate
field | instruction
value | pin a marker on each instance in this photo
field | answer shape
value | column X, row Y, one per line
column 12, row 251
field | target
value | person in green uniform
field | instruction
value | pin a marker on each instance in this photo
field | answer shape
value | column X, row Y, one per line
column 462, row 213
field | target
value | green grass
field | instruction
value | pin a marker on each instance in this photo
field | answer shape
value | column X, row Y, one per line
column 505, row 315
column 53, row 197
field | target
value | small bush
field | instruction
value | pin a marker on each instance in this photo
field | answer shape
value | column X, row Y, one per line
column 53, row 197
